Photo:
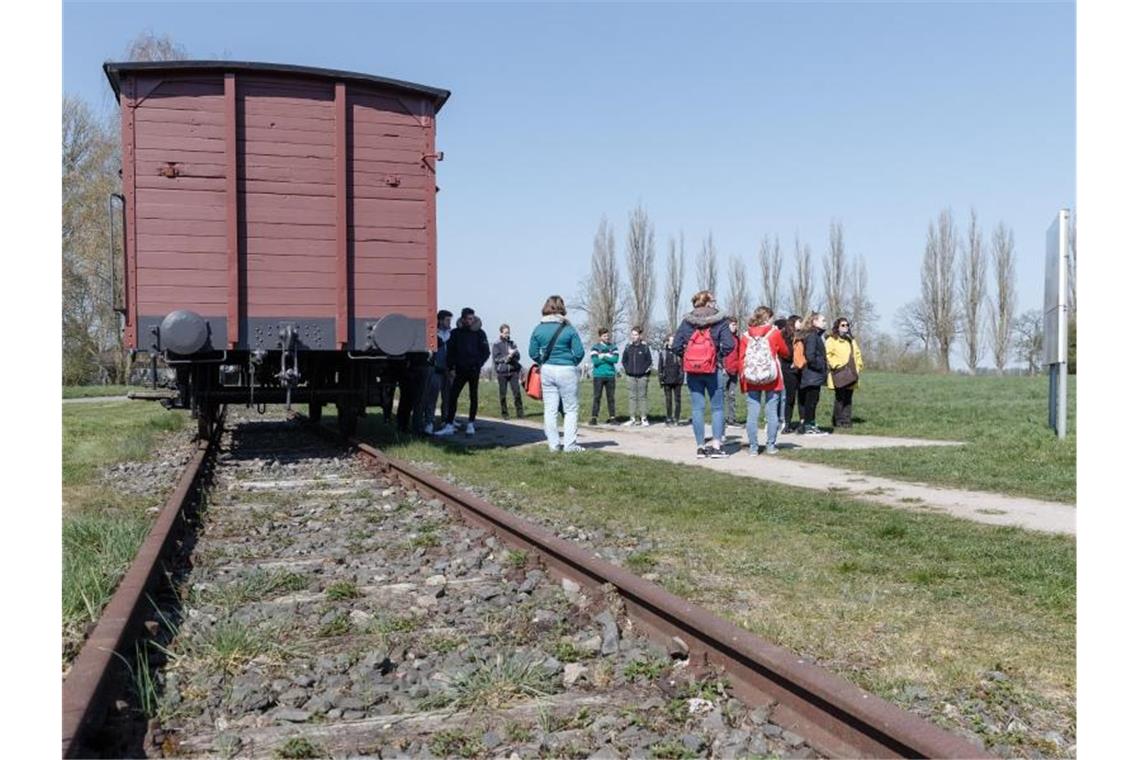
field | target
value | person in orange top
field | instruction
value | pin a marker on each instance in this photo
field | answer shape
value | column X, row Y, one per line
column 760, row 373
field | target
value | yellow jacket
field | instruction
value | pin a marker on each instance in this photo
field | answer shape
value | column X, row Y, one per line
column 838, row 354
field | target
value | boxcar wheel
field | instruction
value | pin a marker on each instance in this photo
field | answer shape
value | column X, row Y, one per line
column 206, row 417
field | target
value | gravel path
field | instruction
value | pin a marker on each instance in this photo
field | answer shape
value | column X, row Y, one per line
column 675, row 444
column 329, row 612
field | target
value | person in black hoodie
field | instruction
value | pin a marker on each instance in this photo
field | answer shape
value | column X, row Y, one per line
column 672, row 377
column 790, row 330
column 703, row 340
column 637, row 361
column 814, row 372
column 506, row 358
column 467, row 352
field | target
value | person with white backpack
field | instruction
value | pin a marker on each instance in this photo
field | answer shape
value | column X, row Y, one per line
column 760, row 350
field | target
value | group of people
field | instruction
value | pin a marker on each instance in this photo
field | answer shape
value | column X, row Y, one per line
column 458, row 363
column 776, row 363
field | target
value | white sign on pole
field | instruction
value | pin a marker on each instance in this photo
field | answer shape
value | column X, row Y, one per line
column 1056, row 290
column 1057, row 320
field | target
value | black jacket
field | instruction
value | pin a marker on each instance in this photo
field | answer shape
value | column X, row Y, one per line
column 814, row 373
column 505, row 362
column 700, row 318
column 669, row 370
column 637, row 359
column 467, row 349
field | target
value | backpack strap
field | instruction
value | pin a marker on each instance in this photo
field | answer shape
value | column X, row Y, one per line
column 550, row 346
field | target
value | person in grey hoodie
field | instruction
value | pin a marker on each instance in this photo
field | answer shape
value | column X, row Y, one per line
column 438, row 381
column 506, row 358
column 703, row 340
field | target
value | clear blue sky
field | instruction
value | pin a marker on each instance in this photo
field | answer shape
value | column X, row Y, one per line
column 742, row 120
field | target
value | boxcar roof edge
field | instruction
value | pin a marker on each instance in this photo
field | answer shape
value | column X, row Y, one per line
column 113, row 71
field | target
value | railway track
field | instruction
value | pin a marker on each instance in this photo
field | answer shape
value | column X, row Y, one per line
column 334, row 605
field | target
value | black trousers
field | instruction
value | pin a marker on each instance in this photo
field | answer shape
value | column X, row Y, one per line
column 465, row 377
column 809, row 398
column 791, row 388
column 841, row 415
column 607, row 384
column 409, row 415
column 672, row 401
column 513, row 381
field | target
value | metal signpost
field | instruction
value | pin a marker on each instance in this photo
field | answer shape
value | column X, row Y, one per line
column 1057, row 320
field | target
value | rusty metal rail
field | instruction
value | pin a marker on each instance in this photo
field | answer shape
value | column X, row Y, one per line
column 94, row 673
column 834, row 715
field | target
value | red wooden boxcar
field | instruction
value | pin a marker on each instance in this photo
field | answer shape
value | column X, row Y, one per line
column 279, row 224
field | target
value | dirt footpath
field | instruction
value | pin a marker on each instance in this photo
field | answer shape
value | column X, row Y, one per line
column 675, row 444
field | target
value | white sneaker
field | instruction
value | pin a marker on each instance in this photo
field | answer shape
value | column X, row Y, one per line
column 644, row 422
column 572, row 449
column 470, row 428
column 628, row 423
column 447, row 429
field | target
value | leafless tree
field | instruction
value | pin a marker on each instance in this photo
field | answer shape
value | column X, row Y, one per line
column 915, row 327
column 803, row 282
column 599, row 296
column 738, row 295
column 640, row 261
column 151, row 47
column 862, row 315
column 1029, row 339
column 938, row 291
column 674, row 281
column 90, row 325
column 835, row 273
column 1004, row 303
column 972, row 290
column 707, row 266
column 771, row 271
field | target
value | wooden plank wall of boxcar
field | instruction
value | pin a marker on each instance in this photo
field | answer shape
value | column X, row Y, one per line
column 285, row 147
column 179, row 221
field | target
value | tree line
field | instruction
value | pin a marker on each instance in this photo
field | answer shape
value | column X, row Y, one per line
column 967, row 300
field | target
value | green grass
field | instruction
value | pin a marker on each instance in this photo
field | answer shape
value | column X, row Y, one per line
column 102, row 527
column 1002, row 419
column 90, row 391
column 884, row 597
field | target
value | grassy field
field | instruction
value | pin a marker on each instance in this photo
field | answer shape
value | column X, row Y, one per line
column 102, row 526
column 90, row 391
column 921, row 609
column 1002, row 419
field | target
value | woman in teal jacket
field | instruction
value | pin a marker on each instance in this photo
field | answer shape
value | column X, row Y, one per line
column 604, row 355
column 557, row 349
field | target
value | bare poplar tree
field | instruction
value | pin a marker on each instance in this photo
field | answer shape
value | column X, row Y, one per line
column 803, row 282
column 707, row 266
column 972, row 290
column 771, row 271
column 835, row 272
column 1004, row 303
column 674, row 281
column 149, row 46
column 599, row 295
column 640, row 261
column 938, row 291
column 862, row 314
column 738, row 295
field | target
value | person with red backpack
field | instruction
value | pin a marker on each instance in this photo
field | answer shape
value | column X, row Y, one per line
column 703, row 340
column 758, row 358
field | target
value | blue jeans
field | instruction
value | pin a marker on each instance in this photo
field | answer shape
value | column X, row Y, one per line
column 560, row 383
column 771, row 416
column 699, row 385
